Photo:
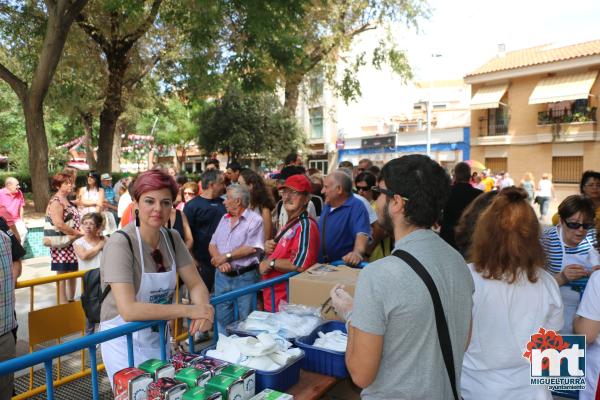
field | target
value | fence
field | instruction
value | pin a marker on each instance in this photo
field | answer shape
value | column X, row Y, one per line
column 46, row 356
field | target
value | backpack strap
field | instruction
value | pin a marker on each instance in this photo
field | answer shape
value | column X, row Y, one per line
column 107, row 288
column 440, row 319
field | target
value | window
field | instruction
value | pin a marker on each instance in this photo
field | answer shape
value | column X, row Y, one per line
column 316, row 87
column 321, row 165
column 316, row 122
column 497, row 121
column 496, row 164
column 567, row 169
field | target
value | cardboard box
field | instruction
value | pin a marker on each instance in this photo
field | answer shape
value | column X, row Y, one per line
column 312, row 287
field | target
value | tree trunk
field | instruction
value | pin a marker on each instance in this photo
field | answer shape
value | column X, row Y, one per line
column 292, row 92
column 116, row 150
column 38, row 152
column 87, row 122
column 111, row 111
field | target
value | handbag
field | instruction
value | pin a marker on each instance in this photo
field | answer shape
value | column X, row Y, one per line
column 440, row 319
column 54, row 237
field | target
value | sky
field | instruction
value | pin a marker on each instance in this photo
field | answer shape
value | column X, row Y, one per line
column 466, row 33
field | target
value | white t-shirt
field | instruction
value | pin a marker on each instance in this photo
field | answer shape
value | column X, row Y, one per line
column 504, row 318
column 590, row 308
column 90, row 263
column 370, row 210
column 545, row 188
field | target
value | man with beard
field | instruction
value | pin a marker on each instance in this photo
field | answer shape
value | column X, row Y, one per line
column 393, row 345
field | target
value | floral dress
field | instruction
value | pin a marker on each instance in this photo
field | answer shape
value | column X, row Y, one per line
column 64, row 258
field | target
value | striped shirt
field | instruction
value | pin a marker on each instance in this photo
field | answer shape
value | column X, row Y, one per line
column 554, row 250
column 7, row 287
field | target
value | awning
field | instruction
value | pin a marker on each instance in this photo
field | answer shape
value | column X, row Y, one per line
column 488, row 97
column 564, row 87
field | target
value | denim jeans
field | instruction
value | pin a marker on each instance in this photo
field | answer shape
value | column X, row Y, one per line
column 224, row 284
column 544, row 203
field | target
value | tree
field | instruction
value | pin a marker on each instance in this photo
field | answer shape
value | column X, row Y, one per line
column 249, row 125
column 117, row 28
column 57, row 16
column 270, row 43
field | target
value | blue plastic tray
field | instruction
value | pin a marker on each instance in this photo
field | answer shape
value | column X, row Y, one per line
column 280, row 379
column 323, row 361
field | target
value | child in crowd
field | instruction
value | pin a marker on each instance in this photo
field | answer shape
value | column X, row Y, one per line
column 88, row 248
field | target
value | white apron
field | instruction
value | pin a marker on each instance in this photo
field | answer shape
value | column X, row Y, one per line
column 571, row 297
column 155, row 287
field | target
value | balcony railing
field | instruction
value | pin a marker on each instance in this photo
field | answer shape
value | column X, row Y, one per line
column 497, row 129
column 566, row 116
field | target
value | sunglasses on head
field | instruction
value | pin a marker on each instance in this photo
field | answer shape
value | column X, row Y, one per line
column 577, row 225
column 158, row 259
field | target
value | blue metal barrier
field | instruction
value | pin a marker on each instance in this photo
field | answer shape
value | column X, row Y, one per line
column 46, row 356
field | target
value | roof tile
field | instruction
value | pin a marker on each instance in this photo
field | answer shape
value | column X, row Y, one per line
column 538, row 55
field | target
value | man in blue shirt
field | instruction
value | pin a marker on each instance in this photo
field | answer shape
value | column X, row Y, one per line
column 204, row 213
column 344, row 223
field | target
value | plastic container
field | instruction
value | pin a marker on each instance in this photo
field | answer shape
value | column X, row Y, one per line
column 281, row 379
column 323, row 361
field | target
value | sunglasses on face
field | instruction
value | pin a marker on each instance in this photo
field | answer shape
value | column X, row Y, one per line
column 387, row 192
column 158, row 259
column 362, row 188
column 577, row 225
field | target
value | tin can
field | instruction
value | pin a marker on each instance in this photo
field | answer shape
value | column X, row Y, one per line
column 246, row 375
column 166, row 389
column 270, row 394
column 215, row 366
column 230, row 388
column 193, row 376
column 158, row 369
column 200, row 393
column 131, row 384
column 184, row 359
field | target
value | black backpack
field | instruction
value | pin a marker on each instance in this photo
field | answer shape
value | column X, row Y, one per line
column 93, row 295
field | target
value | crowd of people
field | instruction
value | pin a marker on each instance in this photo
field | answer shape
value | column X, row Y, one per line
column 231, row 229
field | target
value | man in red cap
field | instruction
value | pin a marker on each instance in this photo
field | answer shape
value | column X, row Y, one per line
column 296, row 245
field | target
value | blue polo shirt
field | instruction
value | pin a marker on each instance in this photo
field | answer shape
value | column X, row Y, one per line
column 338, row 228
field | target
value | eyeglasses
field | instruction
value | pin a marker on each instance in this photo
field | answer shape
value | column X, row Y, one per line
column 188, row 193
column 158, row 259
column 387, row 192
column 577, row 225
column 362, row 188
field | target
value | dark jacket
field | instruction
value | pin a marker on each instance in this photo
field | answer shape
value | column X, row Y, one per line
column 461, row 195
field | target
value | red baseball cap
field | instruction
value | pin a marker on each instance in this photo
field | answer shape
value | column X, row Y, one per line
column 299, row 183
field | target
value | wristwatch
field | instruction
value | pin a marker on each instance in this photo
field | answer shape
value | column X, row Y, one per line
column 272, row 265
column 229, row 257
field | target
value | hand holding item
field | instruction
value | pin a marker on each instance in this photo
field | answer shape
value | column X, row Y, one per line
column 225, row 267
column 341, row 301
column 353, row 258
column 573, row 272
column 263, row 267
column 200, row 325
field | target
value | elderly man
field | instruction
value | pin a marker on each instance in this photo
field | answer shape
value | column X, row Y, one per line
column 344, row 224
column 296, row 245
column 204, row 213
column 235, row 249
column 12, row 200
column 391, row 318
